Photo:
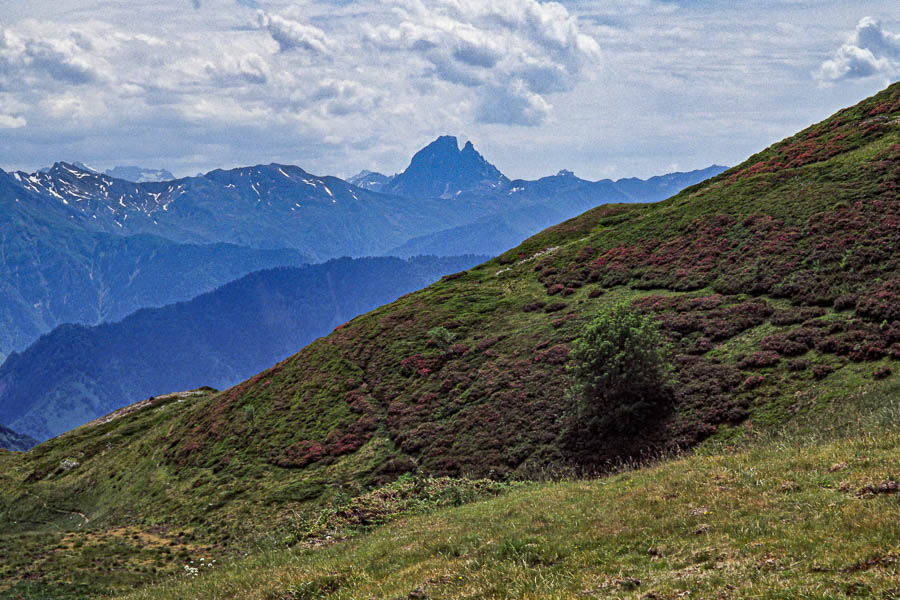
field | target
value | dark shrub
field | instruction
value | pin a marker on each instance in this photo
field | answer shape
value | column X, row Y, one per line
column 782, row 345
column 845, row 302
column 795, row 315
column 301, row 454
column 534, row 306
column 882, row 372
column 700, row 346
column 760, row 360
column 556, row 355
column 793, row 343
column 882, row 303
column 557, row 323
column 867, row 351
column 486, row 343
column 822, row 371
column 621, row 368
column 753, row 381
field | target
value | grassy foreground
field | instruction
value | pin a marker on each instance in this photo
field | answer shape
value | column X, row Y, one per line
column 809, row 515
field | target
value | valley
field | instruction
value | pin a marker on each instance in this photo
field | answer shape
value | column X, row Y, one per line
column 77, row 373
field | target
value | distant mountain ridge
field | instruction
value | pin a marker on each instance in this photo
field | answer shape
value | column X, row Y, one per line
column 661, row 187
column 77, row 373
column 427, row 172
column 11, row 440
column 283, row 206
column 139, row 174
column 78, row 245
column 369, row 180
column 54, row 270
column 131, row 173
column 264, row 206
column 527, row 213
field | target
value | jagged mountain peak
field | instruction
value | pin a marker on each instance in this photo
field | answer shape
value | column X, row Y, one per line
column 441, row 169
column 80, row 165
column 445, row 141
column 78, row 169
column 370, row 180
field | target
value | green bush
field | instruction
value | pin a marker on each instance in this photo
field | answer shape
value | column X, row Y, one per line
column 441, row 337
column 621, row 369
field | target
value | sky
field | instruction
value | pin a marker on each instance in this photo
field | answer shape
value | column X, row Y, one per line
column 606, row 88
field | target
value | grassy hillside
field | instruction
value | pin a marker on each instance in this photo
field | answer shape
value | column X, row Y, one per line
column 779, row 276
column 813, row 517
column 775, row 282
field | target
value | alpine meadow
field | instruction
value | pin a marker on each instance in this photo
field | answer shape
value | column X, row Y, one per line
column 448, row 383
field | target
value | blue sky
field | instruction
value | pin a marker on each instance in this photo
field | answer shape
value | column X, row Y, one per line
column 609, row 88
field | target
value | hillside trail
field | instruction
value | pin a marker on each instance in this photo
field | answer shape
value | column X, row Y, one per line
column 46, row 506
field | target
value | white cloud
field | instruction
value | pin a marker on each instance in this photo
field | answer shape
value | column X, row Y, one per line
column 60, row 60
column 225, row 110
column 870, row 50
column 12, row 122
column 342, row 97
column 338, row 85
column 239, row 70
column 513, row 105
column 72, row 106
column 511, row 53
column 49, row 60
column 291, row 35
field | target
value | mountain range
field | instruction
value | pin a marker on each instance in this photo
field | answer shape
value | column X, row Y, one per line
column 283, row 206
column 442, row 170
column 131, row 173
column 774, row 289
column 77, row 373
column 11, row 440
column 83, row 247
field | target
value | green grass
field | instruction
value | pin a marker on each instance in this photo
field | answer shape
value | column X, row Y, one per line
column 787, row 518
